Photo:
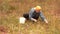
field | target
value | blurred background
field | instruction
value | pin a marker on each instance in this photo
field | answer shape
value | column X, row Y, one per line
column 12, row 10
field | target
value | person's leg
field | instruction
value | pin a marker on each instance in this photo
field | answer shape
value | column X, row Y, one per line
column 26, row 16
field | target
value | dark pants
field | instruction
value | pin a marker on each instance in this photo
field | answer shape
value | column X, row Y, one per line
column 27, row 16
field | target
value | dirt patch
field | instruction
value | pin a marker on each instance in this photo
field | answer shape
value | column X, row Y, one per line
column 3, row 29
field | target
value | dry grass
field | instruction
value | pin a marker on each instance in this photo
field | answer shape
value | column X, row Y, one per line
column 11, row 10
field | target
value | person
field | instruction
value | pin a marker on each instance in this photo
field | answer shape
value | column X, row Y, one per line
column 34, row 14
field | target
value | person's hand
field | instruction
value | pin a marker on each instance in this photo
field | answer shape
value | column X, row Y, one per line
column 45, row 20
column 33, row 19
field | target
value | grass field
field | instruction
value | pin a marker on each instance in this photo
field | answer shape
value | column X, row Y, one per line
column 11, row 10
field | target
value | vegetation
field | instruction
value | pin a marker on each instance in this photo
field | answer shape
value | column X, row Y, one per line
column 11, row 10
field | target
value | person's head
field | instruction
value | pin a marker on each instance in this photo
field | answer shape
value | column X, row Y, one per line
column 37, row 8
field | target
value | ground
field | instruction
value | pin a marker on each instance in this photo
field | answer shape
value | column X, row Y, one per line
column 11, row 10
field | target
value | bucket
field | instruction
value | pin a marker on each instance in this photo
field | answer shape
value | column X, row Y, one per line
column 22, row 20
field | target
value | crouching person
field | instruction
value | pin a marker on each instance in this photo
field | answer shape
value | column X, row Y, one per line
column 34, row 14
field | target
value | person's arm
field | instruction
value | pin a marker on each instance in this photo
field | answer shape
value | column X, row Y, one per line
column 43, row 17
column 31, row 14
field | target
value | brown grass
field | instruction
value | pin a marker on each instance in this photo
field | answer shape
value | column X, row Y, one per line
column 11, row 10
